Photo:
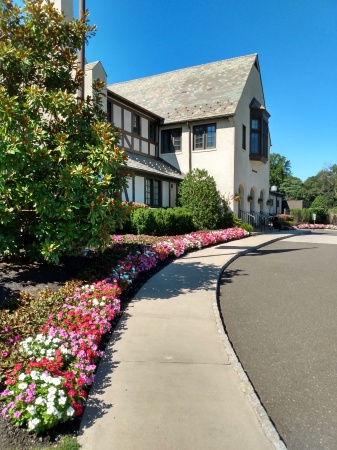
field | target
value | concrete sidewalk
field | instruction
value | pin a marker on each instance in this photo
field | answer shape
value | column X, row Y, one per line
column 169, row 378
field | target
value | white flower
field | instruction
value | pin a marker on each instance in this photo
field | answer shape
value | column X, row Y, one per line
column 40, row 401
column 70, row 411
column 31, row 409
column 22, row 376
column 22, row 386
column 35, row 374
column 52, row 390
column 62, row 400
column 33, row 423
column 40, row 337
column 56, row 382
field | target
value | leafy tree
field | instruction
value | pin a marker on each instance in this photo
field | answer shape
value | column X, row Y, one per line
column 198, row 193
column 280, row 168
column 292, row 188
column 61, row 172
column 323, row 184
column 320, row 202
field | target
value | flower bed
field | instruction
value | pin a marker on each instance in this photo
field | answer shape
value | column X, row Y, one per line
column 56, row 365
column 310, row 226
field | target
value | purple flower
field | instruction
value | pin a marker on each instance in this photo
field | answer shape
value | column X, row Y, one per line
column 17, row 414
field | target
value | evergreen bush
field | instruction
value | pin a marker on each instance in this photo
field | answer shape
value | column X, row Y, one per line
column 198, row 193
column 161, row 221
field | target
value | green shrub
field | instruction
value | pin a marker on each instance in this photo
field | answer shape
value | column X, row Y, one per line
column 247, row 226
column 239, row 223
column 161, row 221
column 198, row 193
column 321, row 215
column 142, row 221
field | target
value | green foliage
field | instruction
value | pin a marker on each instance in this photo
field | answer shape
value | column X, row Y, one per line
column 161, row 221
column 320, row 202
column 142, row 221
column 305, row 215
column 280, row 168
column 323, row 184
column 198, row 193
column 292, row 188
column 239, row 223
column 321, row 215
column 61, row 172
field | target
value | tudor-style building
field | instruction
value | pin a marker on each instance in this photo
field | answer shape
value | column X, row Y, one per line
column 211, row 116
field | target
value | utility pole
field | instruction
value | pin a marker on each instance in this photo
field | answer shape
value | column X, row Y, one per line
column 81, row 53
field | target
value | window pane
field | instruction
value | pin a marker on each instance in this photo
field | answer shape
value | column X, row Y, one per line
column 244, row 137
column 136, row 124
column 255, row 124
column 156, row 191
column 152, row 132
column 148, row 192
column 165, row 141
column 254, row 143
column 210, row 136
column 176, row 140
column 199, row 137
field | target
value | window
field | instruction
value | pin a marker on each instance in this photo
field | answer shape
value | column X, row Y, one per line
column 259, row 132
column 244, row 137
column 152, row 131
column 171, row 140
column 259, row 137
column 204, row 136
column 153, row 192
column 109, row 105
column 136, row 124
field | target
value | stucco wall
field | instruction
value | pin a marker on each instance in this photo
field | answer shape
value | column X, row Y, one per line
column 218, row 161
column 251, row 175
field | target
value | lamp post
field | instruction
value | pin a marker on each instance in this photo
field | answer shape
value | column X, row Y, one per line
column 274, row 189
column 81, row 53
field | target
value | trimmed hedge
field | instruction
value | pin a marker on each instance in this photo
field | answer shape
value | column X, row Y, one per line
column 161, row 221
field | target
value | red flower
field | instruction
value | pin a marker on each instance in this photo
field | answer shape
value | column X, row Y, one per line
column 78, row 408
column 72, row 393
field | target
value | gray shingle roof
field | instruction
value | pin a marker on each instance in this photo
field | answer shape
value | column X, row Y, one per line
column 205, row 91
column 152, row 165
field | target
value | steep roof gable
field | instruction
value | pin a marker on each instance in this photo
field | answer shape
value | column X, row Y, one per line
column 204, row 91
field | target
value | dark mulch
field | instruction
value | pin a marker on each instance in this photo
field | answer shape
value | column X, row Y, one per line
column 16, row 275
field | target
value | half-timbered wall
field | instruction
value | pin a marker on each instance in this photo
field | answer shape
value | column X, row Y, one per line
column 139, row 132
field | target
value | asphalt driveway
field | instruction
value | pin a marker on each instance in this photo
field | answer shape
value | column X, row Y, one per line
column 279, row 306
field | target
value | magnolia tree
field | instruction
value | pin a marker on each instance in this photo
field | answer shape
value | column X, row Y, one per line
column 61, row 172
column 199, row 194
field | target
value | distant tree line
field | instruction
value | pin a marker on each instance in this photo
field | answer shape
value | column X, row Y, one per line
column 320, row 188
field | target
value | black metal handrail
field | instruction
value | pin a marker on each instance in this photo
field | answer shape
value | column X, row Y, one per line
column 259, row 220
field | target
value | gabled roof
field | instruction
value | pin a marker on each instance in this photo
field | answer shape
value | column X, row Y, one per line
column 152, row 165
column 205, row 91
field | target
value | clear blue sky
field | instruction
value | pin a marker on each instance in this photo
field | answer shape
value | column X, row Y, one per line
column 296, row 41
